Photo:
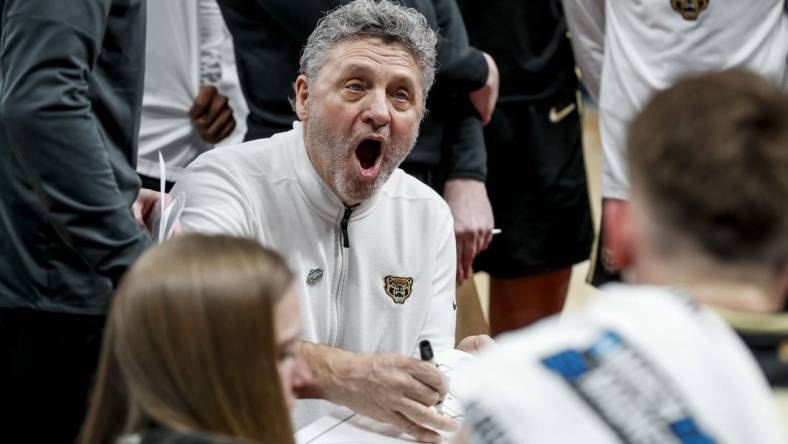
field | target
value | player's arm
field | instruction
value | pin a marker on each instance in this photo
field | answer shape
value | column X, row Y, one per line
column 461, row 65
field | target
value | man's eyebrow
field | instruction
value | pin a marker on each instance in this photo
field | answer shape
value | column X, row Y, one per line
column 360, row 68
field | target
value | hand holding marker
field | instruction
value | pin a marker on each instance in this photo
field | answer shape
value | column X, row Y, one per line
column 425, row 349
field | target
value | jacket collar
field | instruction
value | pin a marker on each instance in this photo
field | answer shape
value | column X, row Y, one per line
column 318, row 194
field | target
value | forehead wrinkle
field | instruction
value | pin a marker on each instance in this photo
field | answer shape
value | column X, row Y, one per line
column 376, row 51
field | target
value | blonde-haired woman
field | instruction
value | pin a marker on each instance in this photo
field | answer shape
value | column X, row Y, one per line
column 199, row 348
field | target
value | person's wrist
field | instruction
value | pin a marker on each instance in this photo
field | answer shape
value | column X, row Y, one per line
column 345, row 371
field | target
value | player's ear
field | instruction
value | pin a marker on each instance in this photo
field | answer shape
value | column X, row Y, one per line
column 301, row 87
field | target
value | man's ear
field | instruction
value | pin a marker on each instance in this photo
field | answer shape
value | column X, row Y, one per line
column 301, row 97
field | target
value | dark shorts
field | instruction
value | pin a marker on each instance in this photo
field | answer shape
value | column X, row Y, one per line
column 537, row 186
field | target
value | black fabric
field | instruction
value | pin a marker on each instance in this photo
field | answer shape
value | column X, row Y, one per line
column 153, row 183
column 268, row 36
column 429, row 175
column 538, row 191
column 70, row 97
column 47, row 363
column 766, row 349
column 529, row 45
column 536, row 173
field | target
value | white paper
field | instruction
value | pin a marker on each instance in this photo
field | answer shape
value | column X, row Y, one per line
column 164, row 218
column 343, row 426
column 162, row 187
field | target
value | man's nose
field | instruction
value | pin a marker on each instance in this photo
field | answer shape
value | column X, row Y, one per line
column 377, row 112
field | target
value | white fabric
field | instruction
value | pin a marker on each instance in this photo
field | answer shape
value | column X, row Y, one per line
column 268, row 190
column 188, row 45
column 628, row 50
column 706, row 374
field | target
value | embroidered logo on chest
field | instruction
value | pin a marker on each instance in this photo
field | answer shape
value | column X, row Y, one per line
column 689, row 9
column 398, row 288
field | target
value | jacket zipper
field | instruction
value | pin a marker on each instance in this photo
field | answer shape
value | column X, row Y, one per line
column 336, row 336
column 343, row 225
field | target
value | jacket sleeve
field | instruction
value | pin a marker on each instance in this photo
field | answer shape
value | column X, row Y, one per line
column 462, row 69
column 217, row 200
column 464, row 147
column 462, row 66
column 440, row 322
column 47, row 54
column 586, row 22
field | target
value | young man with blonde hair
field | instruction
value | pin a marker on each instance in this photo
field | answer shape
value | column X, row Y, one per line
column 654, row 362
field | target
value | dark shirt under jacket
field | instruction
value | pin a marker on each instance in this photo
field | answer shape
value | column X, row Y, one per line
column 534, row 56
column 269, row 35
column 71, row 76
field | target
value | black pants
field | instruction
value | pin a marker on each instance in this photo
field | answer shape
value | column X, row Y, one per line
column 47, row 366
column 152, row 183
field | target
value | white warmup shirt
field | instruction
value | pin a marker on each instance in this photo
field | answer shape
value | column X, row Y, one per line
column 629, row 49
column 639, row 365
column 391, row 287
column 188, row 45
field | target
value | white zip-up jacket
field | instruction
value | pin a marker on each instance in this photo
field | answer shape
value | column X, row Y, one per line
column 389, row 286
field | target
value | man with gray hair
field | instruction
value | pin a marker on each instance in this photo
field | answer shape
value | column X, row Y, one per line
column 373, row 249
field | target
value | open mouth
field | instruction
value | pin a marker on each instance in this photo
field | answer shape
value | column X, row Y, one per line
column 368, row 153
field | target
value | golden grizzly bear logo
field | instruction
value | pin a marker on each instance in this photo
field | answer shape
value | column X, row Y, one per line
column 398, row 288
column 689, row 9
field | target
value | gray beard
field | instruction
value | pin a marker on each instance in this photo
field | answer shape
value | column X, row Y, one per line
column 335, row 149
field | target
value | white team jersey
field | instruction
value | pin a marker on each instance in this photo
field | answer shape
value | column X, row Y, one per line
column 639, row 365
column 630, row 49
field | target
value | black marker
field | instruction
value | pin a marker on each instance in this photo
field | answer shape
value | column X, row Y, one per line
column 425, row 350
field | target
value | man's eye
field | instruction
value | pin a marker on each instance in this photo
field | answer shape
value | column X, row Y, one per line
column 355, row 87
column 402, row 96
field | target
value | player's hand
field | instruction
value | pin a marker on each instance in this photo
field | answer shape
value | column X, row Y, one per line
column 397, row 390
column 474, row 344
column 143, row 205
column 617, row 249
column 484, row 98
column 212, row 115
column 473, row 221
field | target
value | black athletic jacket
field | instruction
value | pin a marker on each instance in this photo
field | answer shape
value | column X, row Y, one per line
column 71, row 76
column 269, row 35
